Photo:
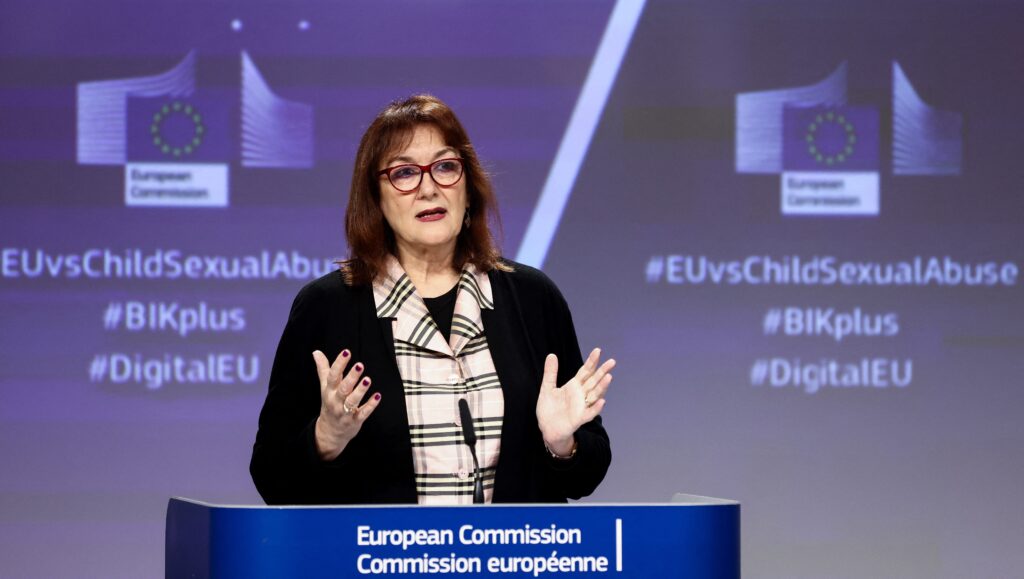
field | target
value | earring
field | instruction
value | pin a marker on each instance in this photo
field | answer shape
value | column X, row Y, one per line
column 465, row 220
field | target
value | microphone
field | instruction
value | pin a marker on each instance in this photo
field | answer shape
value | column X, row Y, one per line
column 469, row 435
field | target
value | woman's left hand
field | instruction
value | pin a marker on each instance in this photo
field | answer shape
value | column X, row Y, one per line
column 561, row 411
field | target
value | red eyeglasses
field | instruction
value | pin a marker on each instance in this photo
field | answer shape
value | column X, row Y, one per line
column 407, row 177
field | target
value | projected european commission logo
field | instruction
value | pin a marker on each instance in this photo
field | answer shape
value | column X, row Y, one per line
column 827, row 151
column 176, row 142
column 830, row 160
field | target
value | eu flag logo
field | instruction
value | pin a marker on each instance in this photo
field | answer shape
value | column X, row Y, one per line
column 193, row 129
column 843, row 138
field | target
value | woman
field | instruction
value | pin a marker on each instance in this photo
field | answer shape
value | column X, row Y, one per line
column 425, row 313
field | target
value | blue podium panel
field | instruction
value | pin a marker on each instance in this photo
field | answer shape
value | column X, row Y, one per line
column 697, row 537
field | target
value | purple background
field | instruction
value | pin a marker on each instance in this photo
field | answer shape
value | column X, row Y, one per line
column 918, row 481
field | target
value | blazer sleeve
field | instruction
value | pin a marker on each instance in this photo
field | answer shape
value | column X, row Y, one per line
column 285, row 465
column 580, row 475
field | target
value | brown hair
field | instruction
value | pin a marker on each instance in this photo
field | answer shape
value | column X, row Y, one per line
column 370, row 238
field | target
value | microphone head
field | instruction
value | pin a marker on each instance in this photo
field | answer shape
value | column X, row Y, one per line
column 468, row 432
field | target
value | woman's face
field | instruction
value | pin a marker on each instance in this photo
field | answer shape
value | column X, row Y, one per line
column 429, row 218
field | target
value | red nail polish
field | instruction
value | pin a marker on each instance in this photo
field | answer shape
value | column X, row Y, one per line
column 344, row 353
column 376, row 396
column 366, row 381
column 359, row 367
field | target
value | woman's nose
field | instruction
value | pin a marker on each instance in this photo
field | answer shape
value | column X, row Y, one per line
column 428, row 188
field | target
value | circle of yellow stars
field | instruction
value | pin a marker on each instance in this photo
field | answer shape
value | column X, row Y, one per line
column 189, row 112
column 830, row 117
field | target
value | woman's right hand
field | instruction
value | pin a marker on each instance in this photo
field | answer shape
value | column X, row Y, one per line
column 341, row 416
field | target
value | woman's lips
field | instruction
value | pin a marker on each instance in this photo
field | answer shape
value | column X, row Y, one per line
column 431, row 215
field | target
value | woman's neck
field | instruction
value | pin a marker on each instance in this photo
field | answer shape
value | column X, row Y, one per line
column 432, row 274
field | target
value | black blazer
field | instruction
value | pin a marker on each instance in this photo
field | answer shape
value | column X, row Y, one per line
column 530, row 319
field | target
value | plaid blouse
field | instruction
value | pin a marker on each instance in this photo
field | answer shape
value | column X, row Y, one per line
column 435, row 375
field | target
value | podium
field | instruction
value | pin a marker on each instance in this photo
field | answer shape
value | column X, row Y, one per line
column 689, row 537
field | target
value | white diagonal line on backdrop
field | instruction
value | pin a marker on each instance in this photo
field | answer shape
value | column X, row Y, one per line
column 585, row 115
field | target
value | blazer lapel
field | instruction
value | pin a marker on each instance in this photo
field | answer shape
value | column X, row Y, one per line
column 516, row 366
column 377, row 352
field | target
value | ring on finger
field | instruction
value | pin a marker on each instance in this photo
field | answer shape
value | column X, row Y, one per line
column 346, row 408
